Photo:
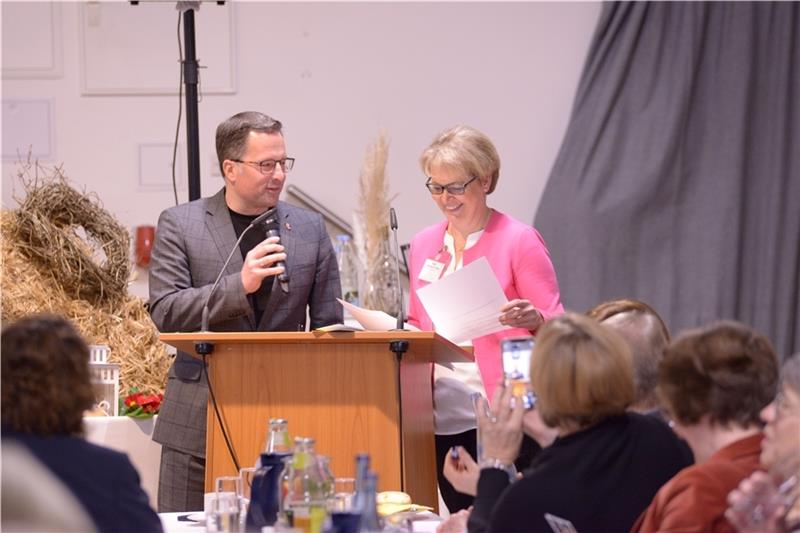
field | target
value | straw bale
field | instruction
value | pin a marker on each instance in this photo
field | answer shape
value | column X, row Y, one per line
column 71, row 234
column 48, row 266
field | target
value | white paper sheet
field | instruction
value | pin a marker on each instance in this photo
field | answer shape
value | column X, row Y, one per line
column 466, row 304
column 372, row 320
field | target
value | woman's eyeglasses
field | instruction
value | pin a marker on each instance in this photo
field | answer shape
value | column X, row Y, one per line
column 456, row 189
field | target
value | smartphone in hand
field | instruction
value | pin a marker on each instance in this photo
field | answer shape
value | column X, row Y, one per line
column 517, row 353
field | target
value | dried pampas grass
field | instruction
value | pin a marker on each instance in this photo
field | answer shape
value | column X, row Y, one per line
column 373, row 198
column 63, row 253
column 372, row 233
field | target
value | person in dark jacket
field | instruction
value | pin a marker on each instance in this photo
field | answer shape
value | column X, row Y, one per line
column 45, row 390
column 605, row 464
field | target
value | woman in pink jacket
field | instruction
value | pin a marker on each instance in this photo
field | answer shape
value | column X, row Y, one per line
column 462, row 166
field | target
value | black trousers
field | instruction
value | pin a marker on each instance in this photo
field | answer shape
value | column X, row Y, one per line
column 454, row 500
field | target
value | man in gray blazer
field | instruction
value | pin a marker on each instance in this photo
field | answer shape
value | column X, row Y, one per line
column 192, row 242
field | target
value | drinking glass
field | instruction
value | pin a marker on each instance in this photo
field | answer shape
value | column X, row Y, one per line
column 224, row 513
column 246, row 476
column 343, row 491
column 229, row 485
column 344, row 516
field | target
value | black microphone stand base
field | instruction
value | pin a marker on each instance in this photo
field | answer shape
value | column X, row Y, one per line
column 203, row 348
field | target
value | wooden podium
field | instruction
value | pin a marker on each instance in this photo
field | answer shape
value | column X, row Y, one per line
column 347, row 390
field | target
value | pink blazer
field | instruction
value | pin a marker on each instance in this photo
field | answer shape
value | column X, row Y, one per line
column 520, row 261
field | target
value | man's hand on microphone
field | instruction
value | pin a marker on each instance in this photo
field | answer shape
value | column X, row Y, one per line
column 258, row 264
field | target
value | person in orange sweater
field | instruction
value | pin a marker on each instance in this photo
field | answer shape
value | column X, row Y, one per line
column 713, row 382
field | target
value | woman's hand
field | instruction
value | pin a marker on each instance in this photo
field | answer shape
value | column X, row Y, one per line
column 521, row 313
column 501, row 429
column 455, row 523
column 462, row 472
column 755, row 506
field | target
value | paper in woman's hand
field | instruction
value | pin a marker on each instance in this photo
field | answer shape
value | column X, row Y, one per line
column 466, row 304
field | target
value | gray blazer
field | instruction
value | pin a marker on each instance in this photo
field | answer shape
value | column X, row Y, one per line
column 192, row 242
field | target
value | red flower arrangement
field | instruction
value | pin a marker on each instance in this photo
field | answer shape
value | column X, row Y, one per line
column 138, row 405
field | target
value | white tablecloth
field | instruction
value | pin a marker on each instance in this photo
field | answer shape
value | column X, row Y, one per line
column 172, row 524
column 131, row 436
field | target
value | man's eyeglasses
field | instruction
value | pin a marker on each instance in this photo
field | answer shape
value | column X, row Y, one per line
column 267, row 166
column 456, row 189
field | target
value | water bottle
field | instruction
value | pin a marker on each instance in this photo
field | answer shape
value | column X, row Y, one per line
column 362, row 469
column 370, row 521
column 305, row 498
column 349, row 267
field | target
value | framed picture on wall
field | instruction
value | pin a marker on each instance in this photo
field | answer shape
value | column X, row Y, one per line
column 130, row 49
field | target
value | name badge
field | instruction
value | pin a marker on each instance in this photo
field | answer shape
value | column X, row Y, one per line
column 431, row 270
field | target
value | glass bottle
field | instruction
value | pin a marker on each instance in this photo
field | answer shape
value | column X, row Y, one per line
column 277, row 440
column 305, row 498
column 362, row 469
column 349, row 269
column 370, row 521
column 382, row 291
column 324, row 466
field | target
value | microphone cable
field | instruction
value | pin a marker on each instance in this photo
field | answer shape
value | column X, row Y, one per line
column 219, row 417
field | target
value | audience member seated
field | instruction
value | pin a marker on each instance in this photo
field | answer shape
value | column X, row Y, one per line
column 606, row 463
column 45, row 390
column 33, row 499
column 646, row 334
column 648, row 337
column 713, row 383
column 769, row 500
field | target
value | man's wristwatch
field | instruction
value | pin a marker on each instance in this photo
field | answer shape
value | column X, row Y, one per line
column 493, row 462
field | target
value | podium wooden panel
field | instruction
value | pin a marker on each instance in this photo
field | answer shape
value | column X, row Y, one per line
column 345, row 389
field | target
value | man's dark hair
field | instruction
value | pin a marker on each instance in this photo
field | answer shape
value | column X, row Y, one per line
column 232, row 133
column 45, row 377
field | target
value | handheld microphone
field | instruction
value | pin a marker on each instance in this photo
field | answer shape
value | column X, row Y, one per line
column 272, row 228
column 257, row 221
column 393, row 225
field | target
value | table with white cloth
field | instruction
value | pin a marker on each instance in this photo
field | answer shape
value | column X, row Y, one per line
column 133, row 437
column 178, row 523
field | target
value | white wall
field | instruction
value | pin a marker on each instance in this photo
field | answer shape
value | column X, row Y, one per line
column 334, row 73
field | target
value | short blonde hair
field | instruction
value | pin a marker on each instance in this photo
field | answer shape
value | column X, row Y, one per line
column 465, row 149
column 581, row 371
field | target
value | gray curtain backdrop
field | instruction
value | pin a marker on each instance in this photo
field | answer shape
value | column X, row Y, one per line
column 678, row 181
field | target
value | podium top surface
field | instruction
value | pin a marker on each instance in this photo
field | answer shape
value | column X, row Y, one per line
column 440, row 349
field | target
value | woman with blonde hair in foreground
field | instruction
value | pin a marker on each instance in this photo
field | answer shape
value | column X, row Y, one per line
column 605, row 464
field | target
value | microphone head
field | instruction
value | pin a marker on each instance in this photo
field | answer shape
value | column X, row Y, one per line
column 392, row 218
column 267, row 220
column 264, row 218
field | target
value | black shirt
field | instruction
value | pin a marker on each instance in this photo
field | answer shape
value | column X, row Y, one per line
column 258, row 299
column 600, row 479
